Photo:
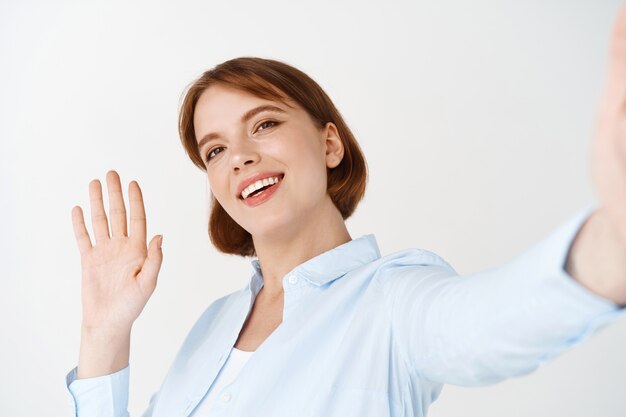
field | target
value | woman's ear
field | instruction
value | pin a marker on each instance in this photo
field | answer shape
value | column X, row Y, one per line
column 334, row 145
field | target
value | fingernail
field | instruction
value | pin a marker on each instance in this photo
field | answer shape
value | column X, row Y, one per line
column 160, row 241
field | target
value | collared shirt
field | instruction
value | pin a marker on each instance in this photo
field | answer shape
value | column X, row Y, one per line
column 364, row 335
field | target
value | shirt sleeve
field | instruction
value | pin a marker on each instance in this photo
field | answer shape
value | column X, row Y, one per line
column 481, row 328
column 103, row 396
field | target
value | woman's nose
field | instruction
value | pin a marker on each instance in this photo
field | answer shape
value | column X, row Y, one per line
column 242, row 155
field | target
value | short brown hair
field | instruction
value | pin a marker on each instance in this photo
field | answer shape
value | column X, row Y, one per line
column 273, row 80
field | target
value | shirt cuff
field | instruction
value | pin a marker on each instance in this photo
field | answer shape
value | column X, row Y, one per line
column 102, row 396
column 587, row 306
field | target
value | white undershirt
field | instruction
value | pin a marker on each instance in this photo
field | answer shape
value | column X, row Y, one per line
column 235, row 361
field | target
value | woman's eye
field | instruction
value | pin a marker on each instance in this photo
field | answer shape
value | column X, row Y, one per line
column 213, row 153
column 267, row 124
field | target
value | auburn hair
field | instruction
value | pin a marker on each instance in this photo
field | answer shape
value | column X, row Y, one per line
column 273, row 80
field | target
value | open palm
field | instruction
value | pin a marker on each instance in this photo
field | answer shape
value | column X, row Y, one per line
column 119, row 272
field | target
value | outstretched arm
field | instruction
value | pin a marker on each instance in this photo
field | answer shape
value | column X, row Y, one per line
column 482, row 328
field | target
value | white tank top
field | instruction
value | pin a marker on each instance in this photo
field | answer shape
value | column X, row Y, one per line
column 235, row 361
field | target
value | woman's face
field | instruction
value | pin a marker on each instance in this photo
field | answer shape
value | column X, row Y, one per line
column 266, row 162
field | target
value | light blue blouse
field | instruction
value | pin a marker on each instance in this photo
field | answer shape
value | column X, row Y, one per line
column 364, row 335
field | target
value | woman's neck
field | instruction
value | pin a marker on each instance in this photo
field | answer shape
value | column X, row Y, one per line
column 279, row 255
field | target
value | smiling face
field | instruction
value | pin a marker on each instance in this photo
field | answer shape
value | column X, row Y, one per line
column 249, row 142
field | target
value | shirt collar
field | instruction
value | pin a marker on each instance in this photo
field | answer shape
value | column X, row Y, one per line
column 328, row 265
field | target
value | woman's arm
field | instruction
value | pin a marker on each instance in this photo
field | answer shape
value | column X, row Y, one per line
column 482, row 328
column 119, row 275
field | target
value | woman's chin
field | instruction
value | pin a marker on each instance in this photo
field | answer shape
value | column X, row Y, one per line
column 273, row 231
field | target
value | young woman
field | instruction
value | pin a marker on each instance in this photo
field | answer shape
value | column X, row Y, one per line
column 326, row 326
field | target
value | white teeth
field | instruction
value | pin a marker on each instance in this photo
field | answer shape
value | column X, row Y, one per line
column 258, row 184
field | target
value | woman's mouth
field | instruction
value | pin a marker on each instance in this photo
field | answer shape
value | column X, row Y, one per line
column 261, row 190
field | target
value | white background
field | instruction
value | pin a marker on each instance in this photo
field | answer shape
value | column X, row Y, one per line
column 475, row 118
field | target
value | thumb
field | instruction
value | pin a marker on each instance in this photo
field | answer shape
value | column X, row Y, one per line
column 151, row 266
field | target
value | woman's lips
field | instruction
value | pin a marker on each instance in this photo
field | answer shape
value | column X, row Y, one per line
column 257, row 176
column 263, row 196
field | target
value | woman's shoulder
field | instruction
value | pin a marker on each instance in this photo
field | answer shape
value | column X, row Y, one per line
column 412, row 262
column 413, row 257
column 366, row 252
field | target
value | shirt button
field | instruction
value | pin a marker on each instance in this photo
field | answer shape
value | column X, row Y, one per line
column 293, row 279
column 226, row 397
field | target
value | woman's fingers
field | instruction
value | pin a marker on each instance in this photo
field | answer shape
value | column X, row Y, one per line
column 137, row 212
column 117, row 210
column 615, row 87
column 80, row 231
column 98, row 216
column 618, row 46
column 150, row 270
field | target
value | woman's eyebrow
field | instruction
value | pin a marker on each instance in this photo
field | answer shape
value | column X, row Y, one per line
column 266, row 107
column 246, row 116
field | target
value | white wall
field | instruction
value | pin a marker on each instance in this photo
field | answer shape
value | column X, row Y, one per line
column 475, row 117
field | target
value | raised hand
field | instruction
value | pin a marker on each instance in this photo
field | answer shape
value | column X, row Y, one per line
column 609, row 147
column 598, row 255
column 119, row 273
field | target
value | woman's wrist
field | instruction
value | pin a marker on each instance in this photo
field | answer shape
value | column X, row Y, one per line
column 103, row 351
column 596, row 259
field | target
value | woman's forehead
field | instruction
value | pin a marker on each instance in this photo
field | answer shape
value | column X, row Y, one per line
column 228, row 104
column 220, row 94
